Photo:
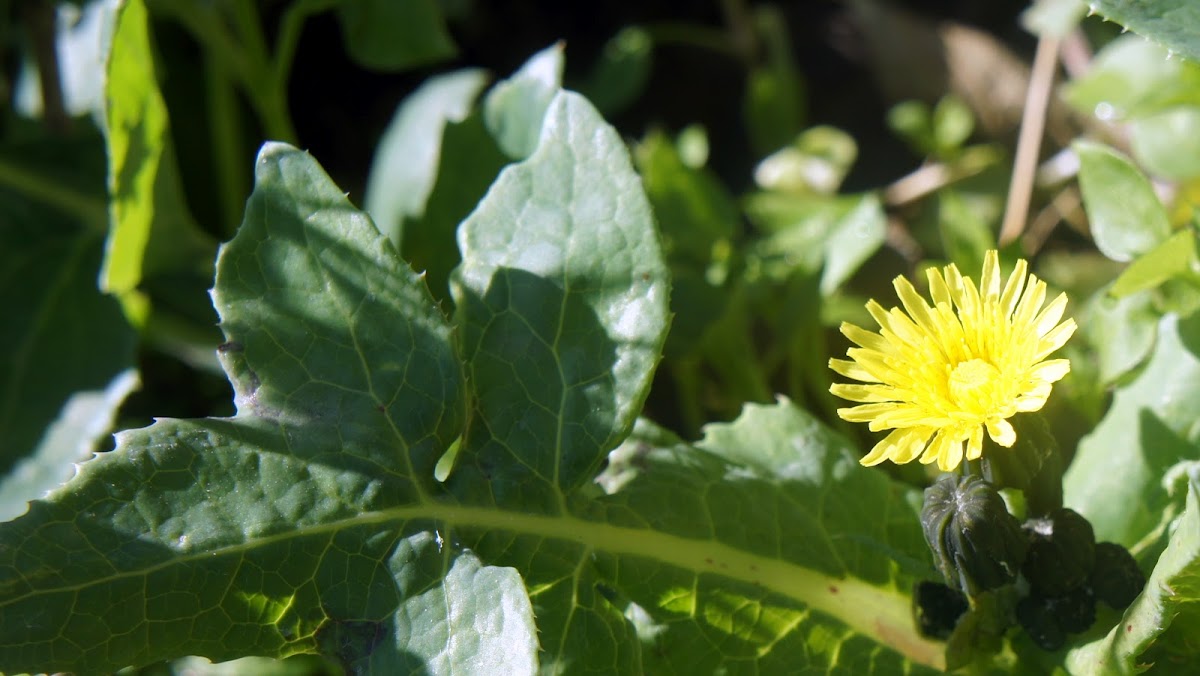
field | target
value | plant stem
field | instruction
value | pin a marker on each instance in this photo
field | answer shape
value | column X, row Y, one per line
column 248, row 65
column 290, row 28
column 40, row 18
column 92, row 212
column 1033, row 121
column 231, row 178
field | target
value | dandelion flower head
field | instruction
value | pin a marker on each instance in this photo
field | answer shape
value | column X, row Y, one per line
column 938, row 376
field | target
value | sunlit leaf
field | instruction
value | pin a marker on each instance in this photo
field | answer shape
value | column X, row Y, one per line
column 1126, row 218
column 1175, row 24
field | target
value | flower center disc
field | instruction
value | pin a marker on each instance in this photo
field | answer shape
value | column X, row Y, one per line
column 970, row 384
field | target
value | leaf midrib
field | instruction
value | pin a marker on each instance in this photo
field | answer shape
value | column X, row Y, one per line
column 879, row 613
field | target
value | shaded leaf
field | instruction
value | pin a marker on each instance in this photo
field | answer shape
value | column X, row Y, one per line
column 392, row 35
column 408, row 155
column 62, row 335
column 965, row 235
column 85, row 418
column 834, row 236
column 775, row 534
column 190, row 533
column 562, row 305
column 697, row 218
column 621, row 72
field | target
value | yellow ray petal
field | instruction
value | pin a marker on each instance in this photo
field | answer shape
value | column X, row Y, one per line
column 1001, row 432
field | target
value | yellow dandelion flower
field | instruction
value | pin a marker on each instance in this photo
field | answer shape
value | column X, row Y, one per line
column 939, row 376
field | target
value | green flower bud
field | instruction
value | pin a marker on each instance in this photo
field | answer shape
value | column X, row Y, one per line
column 1033, row 465
column 1074, row 611
column 1062, row 549
column 1116, row 578
column 1037, row 619
column 977, row 545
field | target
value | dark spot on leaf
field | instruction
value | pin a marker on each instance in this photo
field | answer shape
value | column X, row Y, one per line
column 833, row 589
column 381, row 408
column 1128, row 628
column 607, row 592
column 231, row 346
column 708, row 561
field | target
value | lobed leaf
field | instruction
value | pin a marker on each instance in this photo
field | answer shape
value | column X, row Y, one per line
column 254, row 534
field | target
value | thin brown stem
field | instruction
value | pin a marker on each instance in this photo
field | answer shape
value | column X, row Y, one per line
column 1033, row 122
column 39, row 17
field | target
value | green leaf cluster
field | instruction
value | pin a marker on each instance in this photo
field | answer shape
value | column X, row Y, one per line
column 555, row 397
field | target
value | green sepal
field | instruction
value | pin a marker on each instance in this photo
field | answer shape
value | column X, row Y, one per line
column 1033, row 465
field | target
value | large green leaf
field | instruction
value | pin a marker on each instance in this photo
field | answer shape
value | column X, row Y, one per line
column 311, row 521
column 192, row 532
column 775, row 551
column 1160, row 627
column 1173, row 23
column 1115, row 479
